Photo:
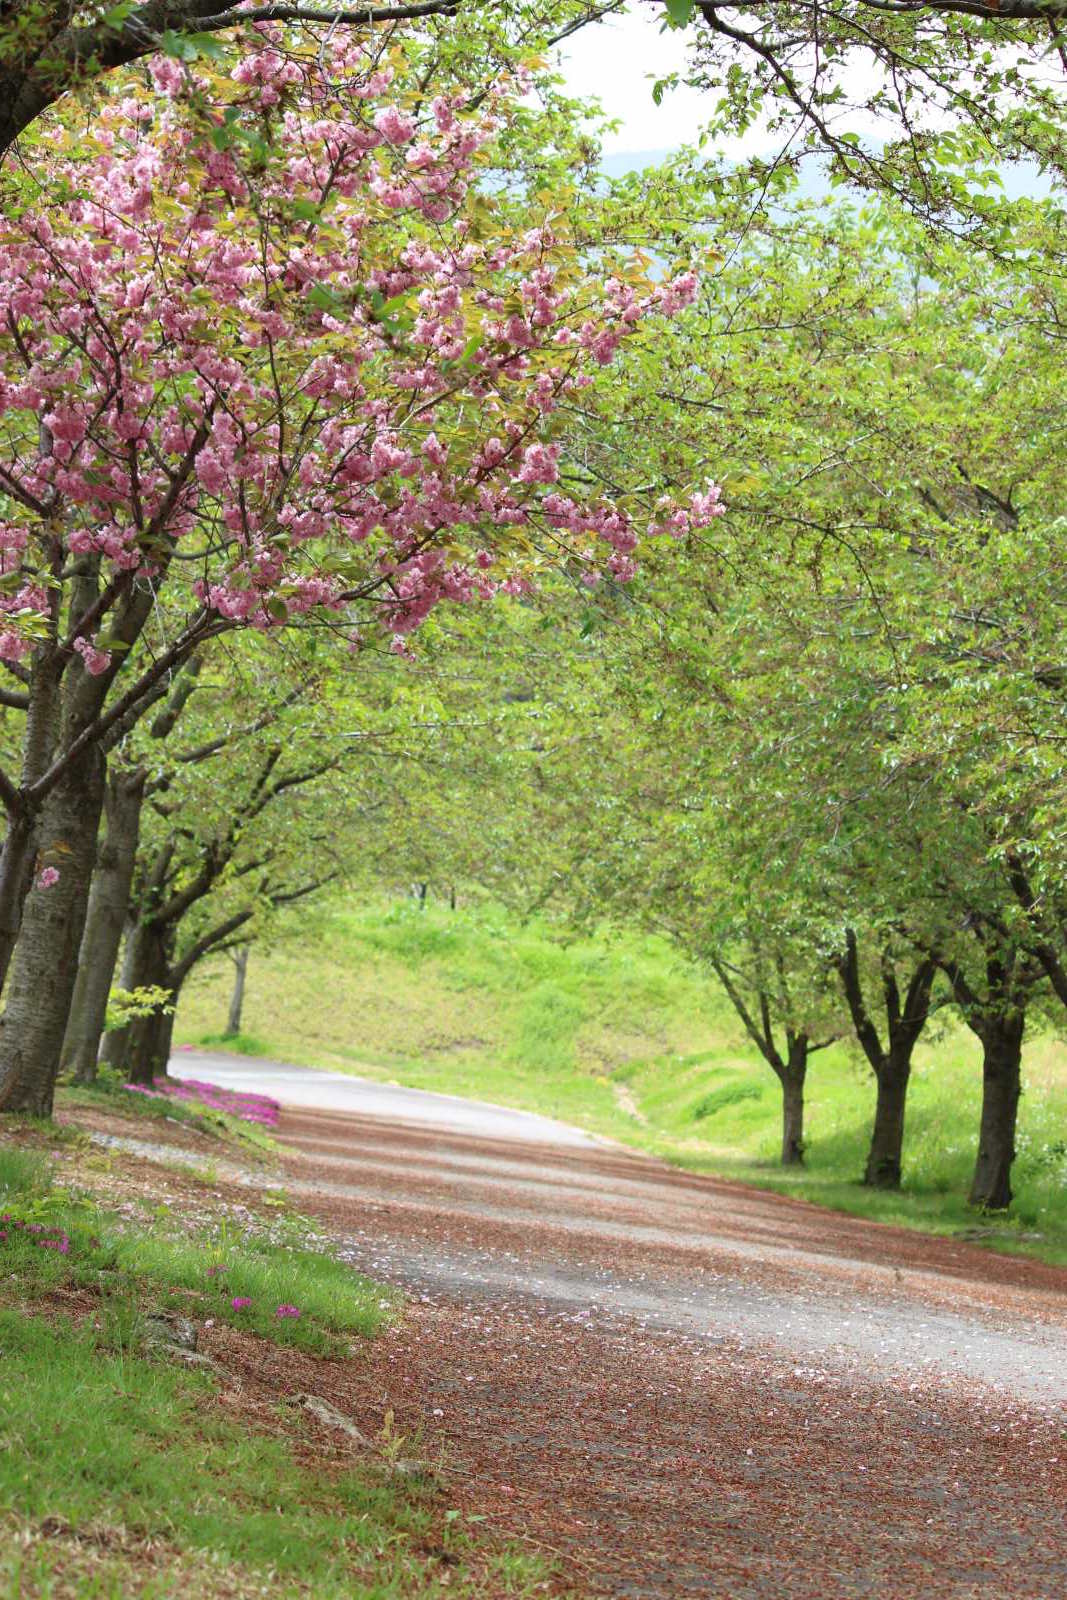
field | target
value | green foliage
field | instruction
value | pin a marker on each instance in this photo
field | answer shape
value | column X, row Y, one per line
column 146, row 1000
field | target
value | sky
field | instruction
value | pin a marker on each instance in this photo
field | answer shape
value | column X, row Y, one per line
column 617, row 61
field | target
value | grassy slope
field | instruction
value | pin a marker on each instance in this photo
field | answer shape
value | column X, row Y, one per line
column 471, row 1003
column 122, row 1475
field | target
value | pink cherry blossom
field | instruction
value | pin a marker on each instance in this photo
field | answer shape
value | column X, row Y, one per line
column 355, row 419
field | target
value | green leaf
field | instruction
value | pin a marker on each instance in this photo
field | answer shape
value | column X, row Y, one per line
column 118, row 14
column 207, row 45
column 176, row 45
column 679, row 12
column 325, row 299
column 190, row 46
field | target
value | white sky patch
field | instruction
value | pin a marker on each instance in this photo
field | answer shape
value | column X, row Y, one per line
column 616, row 61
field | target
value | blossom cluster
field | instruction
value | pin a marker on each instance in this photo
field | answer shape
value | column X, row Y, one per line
column 297, row 359
column 44, row 1238
column 257, row 1108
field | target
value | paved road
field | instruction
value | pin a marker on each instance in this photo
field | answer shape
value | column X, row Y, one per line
column 601, row 1339
column 337, row 1091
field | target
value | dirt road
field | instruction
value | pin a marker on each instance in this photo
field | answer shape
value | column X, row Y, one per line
column 690, row 1388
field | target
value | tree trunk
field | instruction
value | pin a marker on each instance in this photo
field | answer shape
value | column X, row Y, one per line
column 792, row 1124
column 792, row 1078
column 17, row 860
column 237, row 999
column 115, row 1050
column 887, row 1136
column 152, row 954
column 150, row 1048
column 1002, row 1041
column 16, row 876
column 165, row 1036
column 45, row 964
column 891, row 1066
column 109, row 904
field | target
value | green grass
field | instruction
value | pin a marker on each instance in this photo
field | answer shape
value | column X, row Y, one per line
column 134, row 1454
column 145, row 1264
column 22, row 1172
column 239, row 1044
column 468, row 1003
column 155, row 1263
column 727, row 1094
column 475, row 1003
column 107, row 1452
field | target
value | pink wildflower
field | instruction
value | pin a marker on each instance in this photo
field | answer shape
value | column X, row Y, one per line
column 287, row 1311
column 240, row 1302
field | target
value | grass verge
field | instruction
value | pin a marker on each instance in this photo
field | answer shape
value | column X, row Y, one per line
column 108, row 1094
column 267, row 1283
column 122, row 1474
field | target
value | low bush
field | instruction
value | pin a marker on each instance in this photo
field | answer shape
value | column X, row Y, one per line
column 731, row 1094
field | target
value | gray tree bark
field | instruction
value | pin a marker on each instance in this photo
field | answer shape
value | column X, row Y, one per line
column 45, row 965
column 17, row 859
column 115, row 1046
column 237, row 998
column 109, row 905
column 1002, row 1043
column 152, row 954
column 792, row 1074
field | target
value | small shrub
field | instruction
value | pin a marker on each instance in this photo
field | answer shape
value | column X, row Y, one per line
column 731, row 1094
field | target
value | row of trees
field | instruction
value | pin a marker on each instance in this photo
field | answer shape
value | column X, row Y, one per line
column 820, row 743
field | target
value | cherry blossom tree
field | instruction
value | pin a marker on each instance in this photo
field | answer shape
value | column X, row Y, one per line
column 267, row 356
column 50, row 48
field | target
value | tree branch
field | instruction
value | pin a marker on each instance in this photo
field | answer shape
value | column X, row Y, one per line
column 355, row 16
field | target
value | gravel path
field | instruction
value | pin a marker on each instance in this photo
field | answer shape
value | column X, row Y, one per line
column 688, row 1387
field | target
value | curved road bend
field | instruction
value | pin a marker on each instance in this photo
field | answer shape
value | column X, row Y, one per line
column 685, row 1386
